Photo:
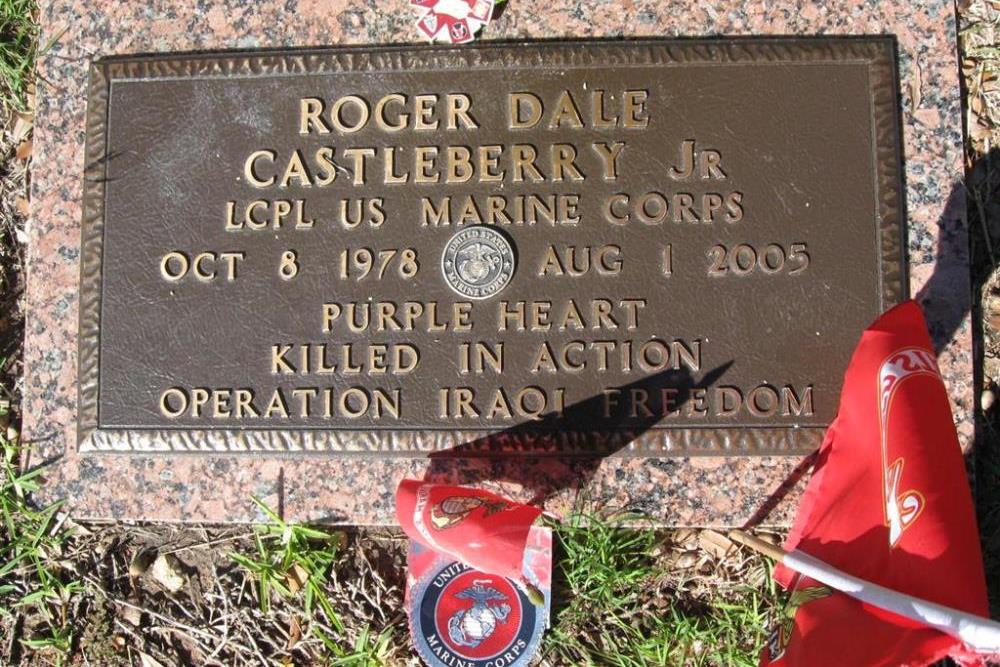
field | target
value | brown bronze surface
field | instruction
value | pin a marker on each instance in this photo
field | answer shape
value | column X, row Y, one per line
column 683, row 240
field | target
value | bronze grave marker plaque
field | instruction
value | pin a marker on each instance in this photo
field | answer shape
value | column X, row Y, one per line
column 650, row 248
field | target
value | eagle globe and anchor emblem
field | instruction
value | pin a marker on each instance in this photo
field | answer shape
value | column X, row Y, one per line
column 466, row 617
column 469, row 627
column 478, row 262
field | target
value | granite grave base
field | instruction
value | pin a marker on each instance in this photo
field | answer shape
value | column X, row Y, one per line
column 707, row 490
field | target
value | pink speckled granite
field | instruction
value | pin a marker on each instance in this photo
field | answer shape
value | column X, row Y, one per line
column 695, row 491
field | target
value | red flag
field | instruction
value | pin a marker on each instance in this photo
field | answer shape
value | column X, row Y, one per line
column 477, row 527
column 888, row 502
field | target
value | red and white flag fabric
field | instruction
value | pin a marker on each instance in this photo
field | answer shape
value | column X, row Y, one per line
column 452, row 21
column 476, row 527
column 888, row 503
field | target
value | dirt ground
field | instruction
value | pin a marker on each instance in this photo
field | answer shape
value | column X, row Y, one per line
column 214, row 617
column 164, row 595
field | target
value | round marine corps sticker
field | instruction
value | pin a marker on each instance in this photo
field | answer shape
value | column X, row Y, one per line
column 465, row 617
column 478, row 262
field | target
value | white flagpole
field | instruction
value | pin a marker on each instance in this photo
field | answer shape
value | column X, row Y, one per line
column 980, row 634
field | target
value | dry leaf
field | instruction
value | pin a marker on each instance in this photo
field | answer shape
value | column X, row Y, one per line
column 979, row 132
column 21, row 205
column 23, row 123
column 770, row 538
column 296, row 578
column 23, row 150
column 987, row 399
column 716, row 544
column 131, row 614
column 976, row 104
column 141, row 562
column 166, row 572
column 148, row 660
column 684, row 536
column 993, row 312
column 294, row 633
column 686, row 561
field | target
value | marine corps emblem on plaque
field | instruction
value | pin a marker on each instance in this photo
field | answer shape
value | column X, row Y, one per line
column 467, row 617
column 478, row 262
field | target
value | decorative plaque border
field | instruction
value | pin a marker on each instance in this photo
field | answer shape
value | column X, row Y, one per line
column 877, row 53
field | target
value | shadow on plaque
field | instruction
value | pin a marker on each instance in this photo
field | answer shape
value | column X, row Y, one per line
column 581, row 433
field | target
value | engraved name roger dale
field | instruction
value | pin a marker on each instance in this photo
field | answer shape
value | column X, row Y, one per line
column 521, row 324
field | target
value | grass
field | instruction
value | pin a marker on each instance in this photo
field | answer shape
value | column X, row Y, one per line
column 626, row 606
column 368, row 650
column 619, row 599
column 31, row 583
column 18, row 48
column 294, row 561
